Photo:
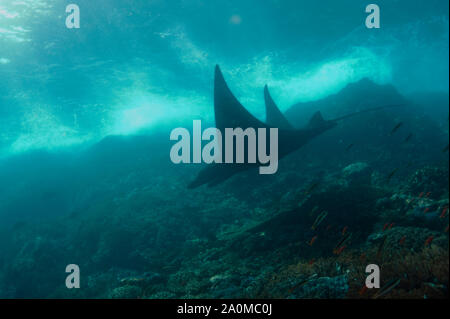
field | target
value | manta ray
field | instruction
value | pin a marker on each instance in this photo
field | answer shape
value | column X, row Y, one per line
column 229, row 113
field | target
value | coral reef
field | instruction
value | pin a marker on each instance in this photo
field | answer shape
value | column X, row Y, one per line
column 306, row 232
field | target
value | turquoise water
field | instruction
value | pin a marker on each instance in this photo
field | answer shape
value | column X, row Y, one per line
column 137, row 64
column 86, row 178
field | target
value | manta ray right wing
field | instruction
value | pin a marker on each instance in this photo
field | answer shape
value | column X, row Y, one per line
column 274, row 117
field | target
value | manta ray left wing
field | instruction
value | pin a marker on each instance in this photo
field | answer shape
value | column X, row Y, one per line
column 229, row 112
column 274, row 117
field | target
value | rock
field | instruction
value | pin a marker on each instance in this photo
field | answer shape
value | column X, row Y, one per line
column 126, row 292
column 357, row 173
column 324, row 288
column 432, row 180
column 414, row 238
column 163, row 295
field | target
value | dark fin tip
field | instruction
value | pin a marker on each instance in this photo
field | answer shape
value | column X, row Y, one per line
column 217, row 70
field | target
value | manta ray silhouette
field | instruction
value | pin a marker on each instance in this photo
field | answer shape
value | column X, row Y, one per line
column 229, row 113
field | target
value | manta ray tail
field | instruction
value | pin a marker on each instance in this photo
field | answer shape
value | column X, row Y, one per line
column 366, row 111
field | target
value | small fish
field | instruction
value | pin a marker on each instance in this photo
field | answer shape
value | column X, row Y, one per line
column 343, row 240
column 445, row 149
column 444, row 212
column 339, row 250
column 429, row 240
column 402, row 240
column 426, row 210
column 406, row 140
column 344, row 230
column 363, row 290
column 391, row 174
column 421, row 194
column 311, row 188
column 132, row 280
column 349, row 147
column 381, row 246
column 428, row 195
column 396, row 127
column 391, row 225
column 446, row 229
column 387, row 288
column 311, row 242
column 385, row 226
column 312, row 261
column 341, row 243
column 319, row 219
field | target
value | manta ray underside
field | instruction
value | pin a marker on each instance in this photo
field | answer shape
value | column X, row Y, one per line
column 229, row 113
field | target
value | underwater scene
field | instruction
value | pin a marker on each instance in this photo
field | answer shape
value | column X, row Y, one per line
column 222, row 149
